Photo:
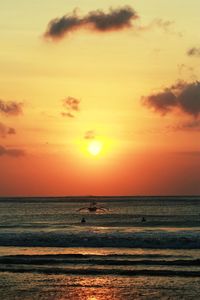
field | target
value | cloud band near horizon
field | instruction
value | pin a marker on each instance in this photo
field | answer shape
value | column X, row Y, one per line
column 13, row 152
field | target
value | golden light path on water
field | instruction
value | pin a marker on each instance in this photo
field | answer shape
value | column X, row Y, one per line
column 105, row 288
column 55, row 285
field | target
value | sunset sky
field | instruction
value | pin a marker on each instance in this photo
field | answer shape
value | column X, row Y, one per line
column 121, row 74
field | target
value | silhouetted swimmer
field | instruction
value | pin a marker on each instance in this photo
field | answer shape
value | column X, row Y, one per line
column 83, row 220
column 143, row 219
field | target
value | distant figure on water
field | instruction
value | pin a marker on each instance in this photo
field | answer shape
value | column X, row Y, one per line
column 143, row 219
column 83, row 220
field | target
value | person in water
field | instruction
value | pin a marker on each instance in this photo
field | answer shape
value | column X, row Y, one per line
column 83, row 220
column 143, row 219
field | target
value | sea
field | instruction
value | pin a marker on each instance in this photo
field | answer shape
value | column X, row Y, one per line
column 100, row 248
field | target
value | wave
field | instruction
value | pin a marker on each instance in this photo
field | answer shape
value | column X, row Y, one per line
column 120, row 272
column 95, row 264
column 147, row 239
column 78, row 259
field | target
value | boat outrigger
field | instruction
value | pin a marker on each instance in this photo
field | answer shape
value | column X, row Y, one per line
column 93, row 207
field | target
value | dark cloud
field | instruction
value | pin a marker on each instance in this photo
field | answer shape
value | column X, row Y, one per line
column 4, row 130
column 194, row 51
column 189, row 99
column 11, row 152
column 89, row 135
column 100, row 21
column 59, row 27
column 178, row 87
column 115, row 19
column 162, row 102
column 181, row 96
column 71, row 106
column 10, row 108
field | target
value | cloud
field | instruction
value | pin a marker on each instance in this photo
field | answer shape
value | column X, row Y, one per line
column 165, row 25
column 89, row 135
column 69, row 115
column 115, row 19
column 192, row 125
column 10, row 108
column 59, row 27
column 193, row 51
column 100, row 21
column 181, row 96
column 4, row 130
column 188, row 71
column 11, row 152
column 71, row 105
column 162, row 102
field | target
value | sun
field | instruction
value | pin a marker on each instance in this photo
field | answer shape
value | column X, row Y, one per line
column 94, row 147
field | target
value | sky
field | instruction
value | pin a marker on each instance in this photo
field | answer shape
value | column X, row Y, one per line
column 99, row 97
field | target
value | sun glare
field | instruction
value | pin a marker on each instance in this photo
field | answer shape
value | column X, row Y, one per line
column 95, row 147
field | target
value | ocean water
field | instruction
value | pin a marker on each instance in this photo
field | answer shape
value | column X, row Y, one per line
column 128, row 248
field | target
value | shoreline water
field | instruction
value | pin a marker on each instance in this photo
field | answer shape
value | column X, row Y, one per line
column 46, row 253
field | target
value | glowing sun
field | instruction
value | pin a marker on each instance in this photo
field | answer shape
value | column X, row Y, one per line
column 95, row 147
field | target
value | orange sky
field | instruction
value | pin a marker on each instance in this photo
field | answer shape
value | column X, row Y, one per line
column 124, row 74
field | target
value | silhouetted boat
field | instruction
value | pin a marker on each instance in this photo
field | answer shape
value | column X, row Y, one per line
column 93, row 207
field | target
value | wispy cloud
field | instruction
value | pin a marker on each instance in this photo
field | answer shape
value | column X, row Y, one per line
column 185, row 70
column 165, row 25
column 100, row 21
column 10, row 108
column 67, row 114
column 14, row 152
column 191, row 125
column 5, row 130
column 89, row 135
column 181, row 96
column 71, row 106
